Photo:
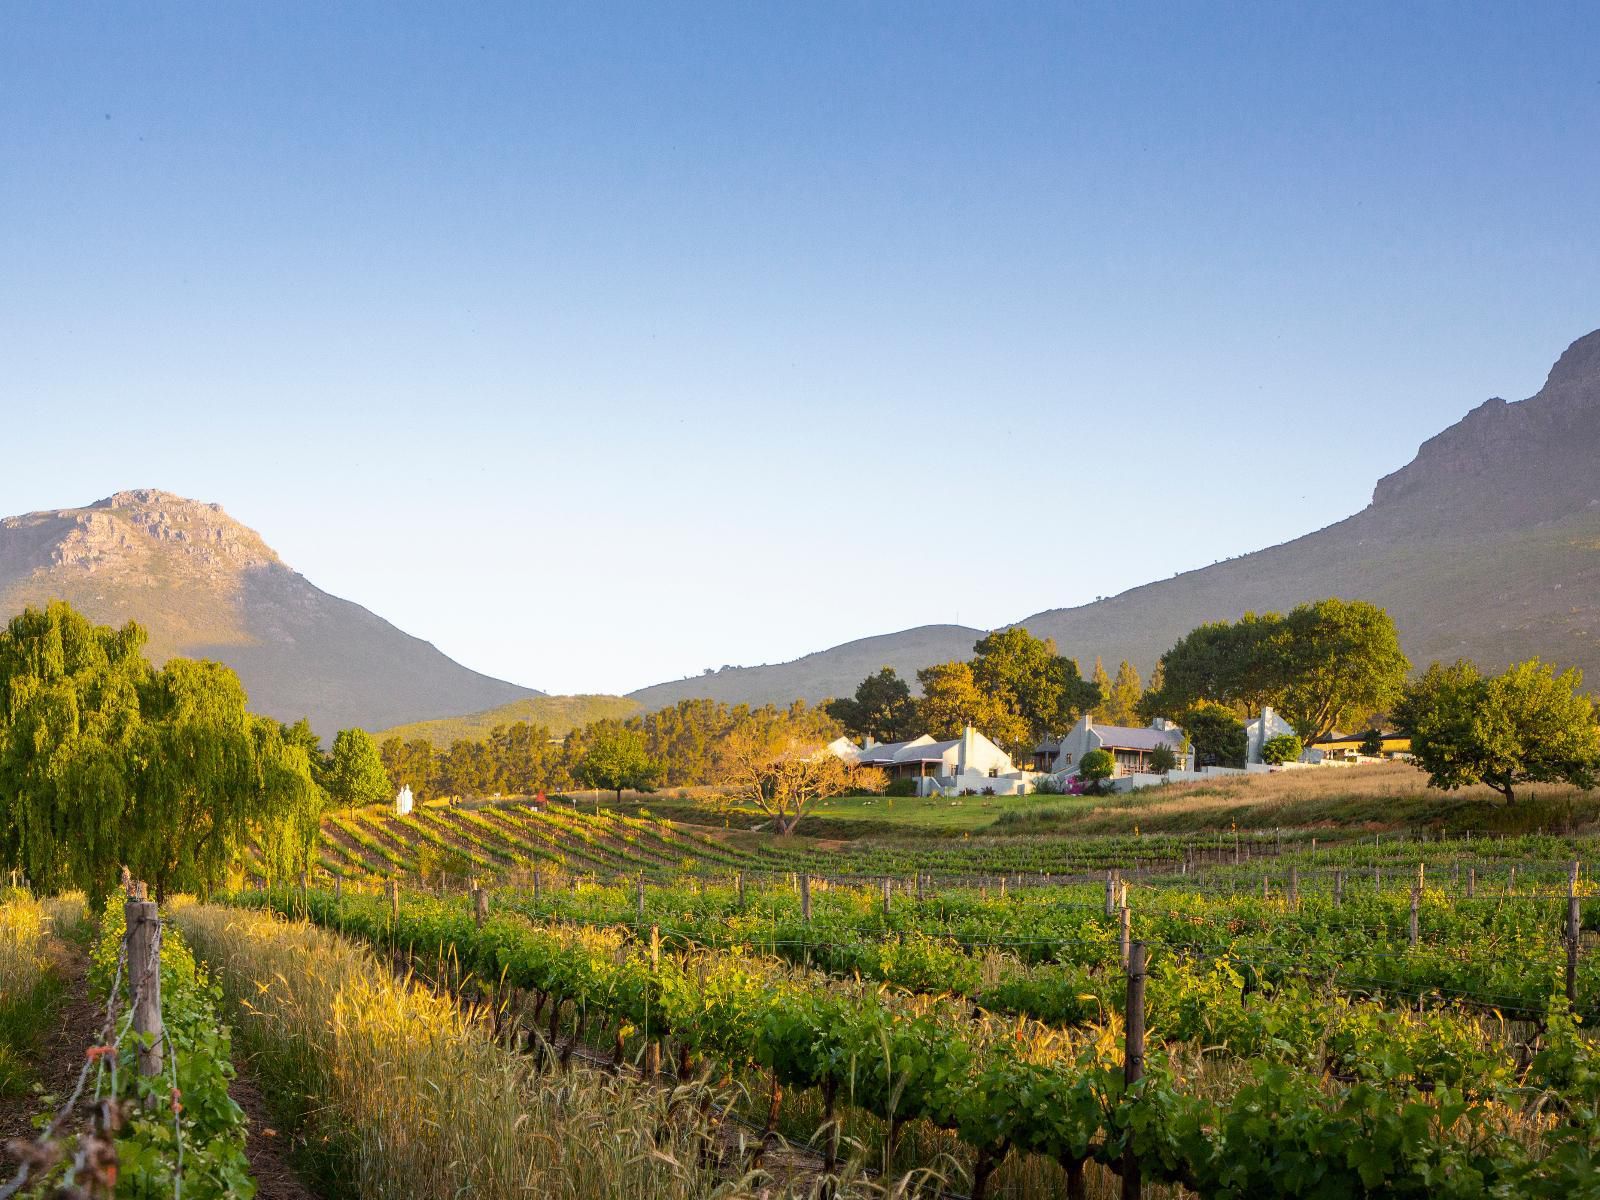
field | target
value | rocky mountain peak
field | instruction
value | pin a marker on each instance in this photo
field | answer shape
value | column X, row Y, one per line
column 1508, row 465
column 1579, row 364
column 110, row 532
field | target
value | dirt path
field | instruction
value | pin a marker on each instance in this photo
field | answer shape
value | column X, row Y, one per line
column 267, row 1150
column 75, row 1029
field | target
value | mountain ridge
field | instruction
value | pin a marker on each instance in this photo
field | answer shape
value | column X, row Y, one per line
column 204, row 585
column 1486, row 544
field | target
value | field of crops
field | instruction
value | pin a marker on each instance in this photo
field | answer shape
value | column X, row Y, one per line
column 1305, row 1043
column 513, row 839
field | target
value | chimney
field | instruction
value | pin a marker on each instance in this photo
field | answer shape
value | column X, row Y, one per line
column 868, row 742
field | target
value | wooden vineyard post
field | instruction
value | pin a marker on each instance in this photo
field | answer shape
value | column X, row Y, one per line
column 1294, row 885
column 639, row 895
column 536, row 887
column 1111, row 894
column 1265, row 887
column 1377, row 879
column 1124, row 933
column 1416, row 901
column 480, row 905
column 1511, row 881
column 652, row 1054
column 805, row 897
column 886, row 887
column 1133, row 1058
column 1236, row 852
column 144, row 979
column 394, row 900
column 1313, row 847
column 1573, row 933
column 1338, row 888
column 1455, row 874
column 1472, row 882
column 1279, row 832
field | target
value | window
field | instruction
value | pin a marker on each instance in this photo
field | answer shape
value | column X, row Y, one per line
column 994, row 772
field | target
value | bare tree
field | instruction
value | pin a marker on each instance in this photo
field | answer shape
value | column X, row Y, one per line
column 779, row 773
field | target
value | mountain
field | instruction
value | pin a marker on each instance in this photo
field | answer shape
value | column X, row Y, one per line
column 1486, row 545
column 559, row 714
column 205, row 586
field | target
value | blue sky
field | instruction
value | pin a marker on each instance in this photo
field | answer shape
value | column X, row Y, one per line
column 599, row 344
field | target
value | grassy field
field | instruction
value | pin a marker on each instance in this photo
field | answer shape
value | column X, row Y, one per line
column 1391, row 796
column 1387, row 796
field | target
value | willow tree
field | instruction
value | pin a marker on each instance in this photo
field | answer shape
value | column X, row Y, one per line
column 105, row 762
column 70, row 694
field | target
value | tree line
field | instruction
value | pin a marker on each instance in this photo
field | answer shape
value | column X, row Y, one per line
column 1016, row 689
column 678, row 746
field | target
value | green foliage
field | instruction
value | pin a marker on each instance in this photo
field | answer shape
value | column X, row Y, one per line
column 901, row 787
column 355, row 774
column 1372, row 743
column 192, row 1092
column 1218, row 737
column 1528, row 725
column 1336, row 661
column 1122, row 697
column 1097, row 766
column 1285, row 748
column 1016, row 690
column 105, row 762
column 1163, row 759
column 1323, row 665
column 1336, row 1096
column 882, row 708
column 1227, row 663
column 616, row 758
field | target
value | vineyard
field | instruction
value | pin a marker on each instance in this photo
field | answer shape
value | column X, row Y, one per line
column 459, row 1000
column 511, row 839
column 1309, row 1043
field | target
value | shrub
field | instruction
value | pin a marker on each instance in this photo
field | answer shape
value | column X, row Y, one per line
column 901, row 787
column 1372, row 743
column 988, row 791
column 1163, row 759
column 1285, row 748
column 1095, row 767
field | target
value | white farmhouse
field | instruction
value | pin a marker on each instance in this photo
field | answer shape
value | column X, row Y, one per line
column 1263, row 729
column 969, row 762
column 1131, row 748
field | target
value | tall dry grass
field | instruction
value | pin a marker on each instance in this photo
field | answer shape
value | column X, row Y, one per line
column 406, row 1095
column 31, row 980
column 1380, row 796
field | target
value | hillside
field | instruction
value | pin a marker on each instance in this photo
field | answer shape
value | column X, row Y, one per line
column 205, row 586
column 558, row 714
column 1487, row 544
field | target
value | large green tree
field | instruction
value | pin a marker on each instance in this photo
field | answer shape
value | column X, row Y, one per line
column 1223, row 662
column 1121, row 703
column 1529, row 725
column 1216, row 734
column 952, row 700
column 1037, row 691
column 355, row 774
column 105, row 762
column 1335, row 661
column 882, row 708
column 616, row 758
